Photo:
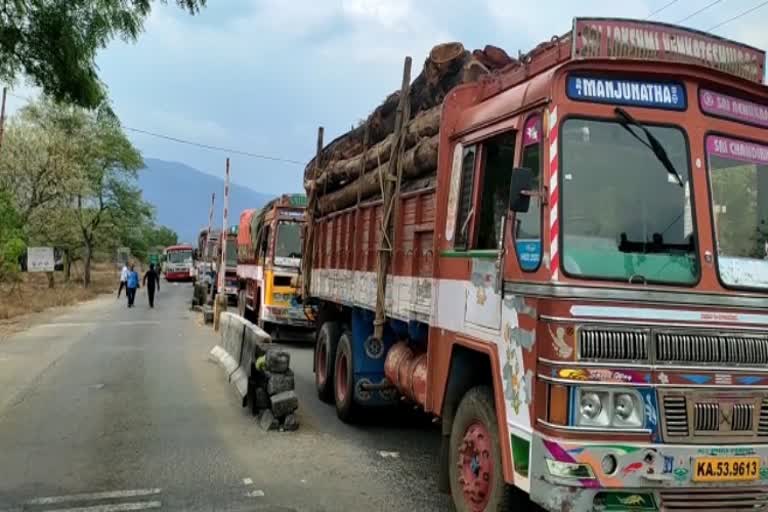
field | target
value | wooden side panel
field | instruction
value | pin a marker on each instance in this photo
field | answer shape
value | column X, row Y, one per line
column 350, row 240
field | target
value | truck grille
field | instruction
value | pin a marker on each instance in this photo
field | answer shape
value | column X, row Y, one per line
column 707, row 417
column 762, row 426
column 720, row 349
column 613, row 344
column 675, row 416
column 713, row 500
column 609, row 344
column 693, row 415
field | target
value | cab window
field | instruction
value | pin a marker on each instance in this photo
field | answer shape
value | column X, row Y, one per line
column 464, row 211
column 527, row 225
column 498, row 161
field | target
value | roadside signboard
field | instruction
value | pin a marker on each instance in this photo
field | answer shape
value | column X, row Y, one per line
column 40, row 259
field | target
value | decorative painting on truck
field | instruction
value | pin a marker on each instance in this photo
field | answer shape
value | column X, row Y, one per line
column 736, row 109
column 596, row 38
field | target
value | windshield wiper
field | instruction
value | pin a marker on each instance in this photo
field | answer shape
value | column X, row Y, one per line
column 653, row 143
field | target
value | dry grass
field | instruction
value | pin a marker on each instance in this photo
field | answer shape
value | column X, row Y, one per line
column 32, row 295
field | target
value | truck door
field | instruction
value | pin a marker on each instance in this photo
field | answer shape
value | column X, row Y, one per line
column 481, row 214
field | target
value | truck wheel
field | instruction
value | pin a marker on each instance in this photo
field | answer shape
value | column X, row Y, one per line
column 344, row 380
column 477, row 478
column 325, row 360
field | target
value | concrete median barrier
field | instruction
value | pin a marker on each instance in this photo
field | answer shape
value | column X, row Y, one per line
column 242, row 342
column 260, row 373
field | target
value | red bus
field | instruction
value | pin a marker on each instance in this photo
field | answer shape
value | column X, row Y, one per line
column 178, row 263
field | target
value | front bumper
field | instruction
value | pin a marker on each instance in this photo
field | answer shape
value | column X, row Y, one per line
column 647, row 477
column 290, row 316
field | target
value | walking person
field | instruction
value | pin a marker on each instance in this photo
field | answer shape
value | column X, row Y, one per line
column 123, row 279
column 151, row 278
column 131, row 284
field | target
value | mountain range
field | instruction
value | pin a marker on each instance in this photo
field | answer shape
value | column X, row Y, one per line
column 181, row 196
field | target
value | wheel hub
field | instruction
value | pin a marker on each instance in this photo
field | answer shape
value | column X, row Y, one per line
column 476, row 467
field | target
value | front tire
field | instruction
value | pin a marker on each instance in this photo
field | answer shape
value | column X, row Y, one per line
column 325, row 360
column 344, row 380
column 476, row 473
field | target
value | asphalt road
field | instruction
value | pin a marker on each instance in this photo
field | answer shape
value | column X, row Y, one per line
column 105, row 409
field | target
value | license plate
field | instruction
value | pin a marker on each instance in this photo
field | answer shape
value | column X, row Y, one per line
column 725, row 469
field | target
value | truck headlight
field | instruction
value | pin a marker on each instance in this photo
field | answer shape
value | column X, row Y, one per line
column 619, row 408
column 592, row 408
column 627, row 410
column 281, row 297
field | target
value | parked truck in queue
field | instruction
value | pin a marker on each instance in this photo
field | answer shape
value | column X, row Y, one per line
column 268, row 258
column 231, row 279
column 578, row 291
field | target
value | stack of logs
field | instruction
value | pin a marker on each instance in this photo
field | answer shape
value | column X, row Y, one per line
column 350, row 166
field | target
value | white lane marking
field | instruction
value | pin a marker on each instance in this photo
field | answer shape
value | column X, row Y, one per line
column 389, row 455
column 247, row 481
column 255, row 494
column 131, row 493
column 120, row 507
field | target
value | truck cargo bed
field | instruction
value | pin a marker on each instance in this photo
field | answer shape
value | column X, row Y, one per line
column 346, row 249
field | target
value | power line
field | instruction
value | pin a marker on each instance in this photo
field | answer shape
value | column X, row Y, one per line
column 193, row 143
column 699, row 11
column 215, row 148
column 738, row 16
column 657, row 11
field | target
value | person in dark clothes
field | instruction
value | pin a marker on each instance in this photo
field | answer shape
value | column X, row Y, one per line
column 131, row 284
column 151, row 278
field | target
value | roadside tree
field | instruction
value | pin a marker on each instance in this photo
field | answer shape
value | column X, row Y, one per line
column 54, row 43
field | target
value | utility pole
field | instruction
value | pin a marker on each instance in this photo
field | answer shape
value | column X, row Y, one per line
column 210, row 226
column 221, row 297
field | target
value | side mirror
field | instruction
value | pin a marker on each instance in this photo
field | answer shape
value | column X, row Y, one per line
column 520, row 189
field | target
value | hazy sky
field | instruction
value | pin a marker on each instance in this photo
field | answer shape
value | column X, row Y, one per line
column 261, row 75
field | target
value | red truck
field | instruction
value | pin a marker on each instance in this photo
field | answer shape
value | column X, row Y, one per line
column 578, row 288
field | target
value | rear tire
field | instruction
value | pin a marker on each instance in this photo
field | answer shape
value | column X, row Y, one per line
column 476, row 472
column 325, row 360
column 344, row 380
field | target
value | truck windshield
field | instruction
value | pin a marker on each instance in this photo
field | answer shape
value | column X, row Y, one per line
column 738, row 173
column 231, row 253
column 626, row 216
column 179, row 256
column 288, row 244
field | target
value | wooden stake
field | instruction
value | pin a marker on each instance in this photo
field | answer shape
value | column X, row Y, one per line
column 390, row 186
column 309, row 239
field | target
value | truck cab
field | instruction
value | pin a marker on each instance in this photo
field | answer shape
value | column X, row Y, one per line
column 623, row 279
column 269, row 256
